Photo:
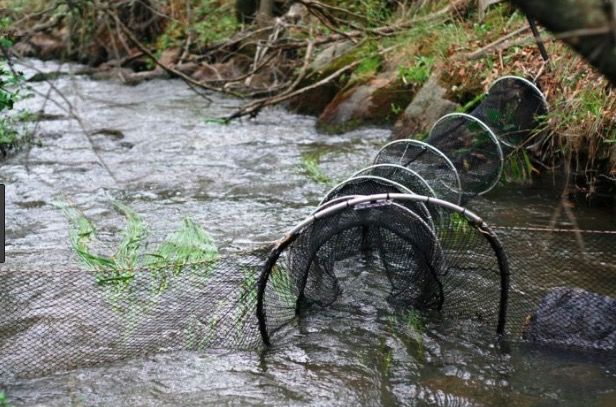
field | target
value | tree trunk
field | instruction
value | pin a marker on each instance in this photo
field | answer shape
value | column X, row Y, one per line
column 265, row 13
column 583, row 19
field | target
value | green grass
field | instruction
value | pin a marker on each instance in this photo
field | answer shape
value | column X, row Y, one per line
column 189, row 245
column 419, row 72
column 310, row 164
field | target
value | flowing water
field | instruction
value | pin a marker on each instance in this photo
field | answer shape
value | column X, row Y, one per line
column 151, row 147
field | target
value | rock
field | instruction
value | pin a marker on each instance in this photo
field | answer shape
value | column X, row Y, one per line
column 574, row 317
column 222, row 71
column 169, row 57
column 297, row 12
column 46, row 46
column 23, row 49
column 373, row 102
column 329, row 60
column 135, row 78
column 187, row 68
column 426, row 108
column 206, row 73
column 325, row 58
column 108, row 73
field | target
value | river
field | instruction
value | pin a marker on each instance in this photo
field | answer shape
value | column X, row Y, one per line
column 152, row 147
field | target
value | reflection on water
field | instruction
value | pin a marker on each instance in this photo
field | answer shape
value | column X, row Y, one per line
column 244, row 183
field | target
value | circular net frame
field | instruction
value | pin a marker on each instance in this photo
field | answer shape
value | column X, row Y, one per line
column 404, row 176
column 473, row 148
column 513, row 109
column 459, row 271
column 433, row 166
column 371, row 185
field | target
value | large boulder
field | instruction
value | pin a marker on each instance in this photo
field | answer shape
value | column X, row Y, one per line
column 375, row 102
column 574, row 317
column 428, row 105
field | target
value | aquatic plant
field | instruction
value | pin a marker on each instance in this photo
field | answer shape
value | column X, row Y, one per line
column 189, row 245
column 4, row 402
column 284, row 288
column 310, row 163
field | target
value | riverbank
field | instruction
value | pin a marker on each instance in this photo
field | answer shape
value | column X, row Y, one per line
column 351, row 64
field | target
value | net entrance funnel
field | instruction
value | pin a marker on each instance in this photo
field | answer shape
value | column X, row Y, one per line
column 458, row 270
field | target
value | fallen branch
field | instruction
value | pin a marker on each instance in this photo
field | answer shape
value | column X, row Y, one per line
column 166, row 68
column 494, row 44
column 252, row 109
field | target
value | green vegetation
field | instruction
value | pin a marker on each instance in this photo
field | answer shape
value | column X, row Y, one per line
column 410, row 328
column 283, row 286
column 189, row 246
column 11, row 90
column 4, row 402
column 518, row 167
column 419, row 72
column 310, row 164
column 203, row 21
column 459, row 223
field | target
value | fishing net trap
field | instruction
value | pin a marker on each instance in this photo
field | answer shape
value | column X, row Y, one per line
column 423, row 267
column 464, row 153
column 393, row 232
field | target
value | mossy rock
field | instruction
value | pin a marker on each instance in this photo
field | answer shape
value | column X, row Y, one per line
column 377, row 101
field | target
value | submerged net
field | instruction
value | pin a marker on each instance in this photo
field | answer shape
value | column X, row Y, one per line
column 457, row 270
column 563, row 286
column 562, row 289
column 55, row 320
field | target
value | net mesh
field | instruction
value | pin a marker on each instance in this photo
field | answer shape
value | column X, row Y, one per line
column 562, row 291
column 513, row 109
column 455, row 269
column 431, row 164
column 563, row 286
column 55, row 320
column 473, row 149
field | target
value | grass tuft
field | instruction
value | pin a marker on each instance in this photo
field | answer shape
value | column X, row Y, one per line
column 310, row 164
column 189, row 245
